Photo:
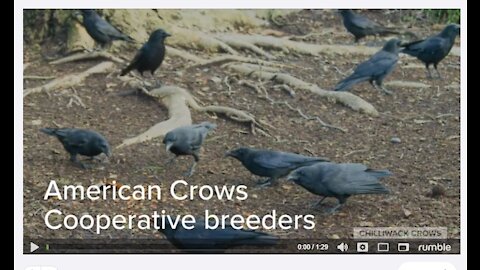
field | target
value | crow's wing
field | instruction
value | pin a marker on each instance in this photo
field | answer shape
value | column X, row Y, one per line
column 352, row 178
column 276, row 160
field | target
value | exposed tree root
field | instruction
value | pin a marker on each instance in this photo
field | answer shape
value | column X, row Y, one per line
column 266, row 70
column 87, row 56
column 184, row 54
column 345, row 98
column 178, row 113
column 177, row 100
column 245, row 45
column 71, row 79
column 260, row 88
column 407, row 84
column 35, row 77
column 224, row 59
column 200, row 40
column 287, row 45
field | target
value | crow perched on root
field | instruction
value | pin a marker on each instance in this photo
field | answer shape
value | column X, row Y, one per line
column 433, row 49
column 80, row 141
column 187, row 140
column 151, row 54
column 271, row 164
column 339, row 180
column 374, row 69
column 360, row 26
column 216, row 240
column 100, row 30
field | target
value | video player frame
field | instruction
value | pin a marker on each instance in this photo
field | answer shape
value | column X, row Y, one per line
column 273, row 125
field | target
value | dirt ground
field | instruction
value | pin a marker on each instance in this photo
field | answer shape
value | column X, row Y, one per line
column 427, row 121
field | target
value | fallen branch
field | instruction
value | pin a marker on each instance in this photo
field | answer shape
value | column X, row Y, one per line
column 250, row 85
column 299, row 111
column 87, row 56
column 348, row 99
column 307, row 117
column 285, row 88
column 71, row 79
column 226, row 81
column 355, row 152
column 74, row 99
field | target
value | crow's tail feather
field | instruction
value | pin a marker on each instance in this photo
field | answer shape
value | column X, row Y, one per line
column 129, row 39
column 379, row 173
column 388, row 31
column 348, row 82
column 126, row 70
column 49, row 131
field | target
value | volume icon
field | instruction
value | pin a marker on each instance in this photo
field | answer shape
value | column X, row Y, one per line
column 343, row 247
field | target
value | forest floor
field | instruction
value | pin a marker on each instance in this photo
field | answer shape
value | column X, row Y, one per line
column 427, row 121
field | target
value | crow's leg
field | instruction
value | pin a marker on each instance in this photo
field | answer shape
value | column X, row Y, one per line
column 192, row 168
column 171, row 160
column 341, row 202
column 266, row 182
column 385, row 90
column 73, row 158
column 429, row 73
column 319, row 202
column 334, row 209
column 96, row 158
column 438, row 73
column 379, row 86
column 157, row 81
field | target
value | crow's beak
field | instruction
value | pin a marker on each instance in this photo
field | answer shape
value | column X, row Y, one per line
column 228, row 154
column 108, row 153
column 291, row 177
column 167, row 34
column 77, row 15
column 168, row 145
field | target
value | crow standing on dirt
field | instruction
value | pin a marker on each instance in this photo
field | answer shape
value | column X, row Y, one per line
column 150, row 56
column 271, row 164
column 433, row 49
column 199, row 238
column 80, row 141
column 339, row 180
column 361, row 26
column 100, row 30
column 374, row 69
column 187, row 140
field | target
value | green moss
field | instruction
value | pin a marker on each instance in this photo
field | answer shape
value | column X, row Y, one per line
column 443, row 15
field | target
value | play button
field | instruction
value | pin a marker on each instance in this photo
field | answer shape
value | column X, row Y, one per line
column 33, row 247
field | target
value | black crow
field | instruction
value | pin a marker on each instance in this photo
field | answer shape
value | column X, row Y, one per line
column 80, row 142
column 339, row 180
column 187, row 140
column 433, row 49
column 360, row 26
column 271, row 164
column 100, row 30
column 201, row 239
column 374, row 69
column 150, row 56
